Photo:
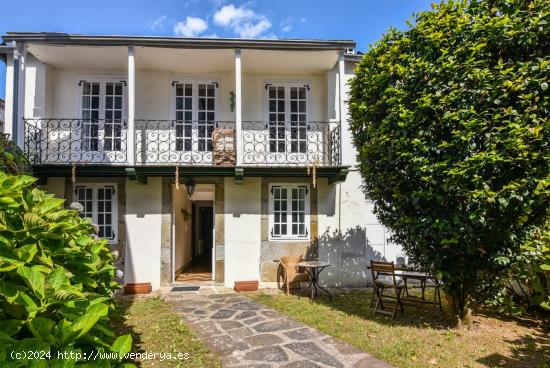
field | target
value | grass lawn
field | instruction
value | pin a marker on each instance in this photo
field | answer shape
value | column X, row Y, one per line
column 155, row 328
column 422, row 338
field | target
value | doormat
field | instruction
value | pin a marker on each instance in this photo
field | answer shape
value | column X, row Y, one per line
column 185, row 288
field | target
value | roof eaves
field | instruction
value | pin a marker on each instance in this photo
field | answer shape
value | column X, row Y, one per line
column 176, row 42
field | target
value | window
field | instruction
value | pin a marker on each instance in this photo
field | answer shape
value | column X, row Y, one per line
column 100, row 205
column 195, row 115
column 288, row 212
column 102, row 115
column 287, row 116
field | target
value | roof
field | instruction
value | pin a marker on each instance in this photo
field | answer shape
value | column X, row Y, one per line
column 175, row 42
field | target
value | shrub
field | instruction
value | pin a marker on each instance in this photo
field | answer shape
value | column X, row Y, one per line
column 527, row 282
column 12, row 159
column 56, row 280
column 450, row 119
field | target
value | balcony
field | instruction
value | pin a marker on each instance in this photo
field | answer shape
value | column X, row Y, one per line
column 183, row 143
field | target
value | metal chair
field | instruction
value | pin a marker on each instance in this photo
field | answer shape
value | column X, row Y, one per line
column 381, row 284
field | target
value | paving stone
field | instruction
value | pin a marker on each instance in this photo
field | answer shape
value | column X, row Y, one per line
column 254, row 320
column 301, row 364
column 208, row 328
column 246, row 314
column 267, row 353
column 240, row 333
column 311, row 351
column 224, row 344
column 303, row 334
column 277, row 325
column 272, row 314
column 216, row 306
column 263, row 340
column 245, row 305
column 229, row 325
column 223, row 314
column 200, row 312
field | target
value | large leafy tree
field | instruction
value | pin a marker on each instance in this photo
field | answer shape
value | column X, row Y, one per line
column 450, row 119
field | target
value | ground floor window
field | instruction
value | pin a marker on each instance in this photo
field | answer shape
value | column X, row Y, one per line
column 100, row 205
column 289, row 212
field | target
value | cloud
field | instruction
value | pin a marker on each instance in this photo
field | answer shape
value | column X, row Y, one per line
column 192, row 27
column 303, row 19
column 242, row 21
column 250, row 30
column 158, row 23
column 229, row 15
column 286, row 25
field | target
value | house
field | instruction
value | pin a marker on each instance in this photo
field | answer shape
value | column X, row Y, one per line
column 211, row 157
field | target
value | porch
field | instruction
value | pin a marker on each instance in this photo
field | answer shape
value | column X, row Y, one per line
column 266, row 104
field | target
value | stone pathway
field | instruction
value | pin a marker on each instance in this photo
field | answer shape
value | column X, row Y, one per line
column 246, row 334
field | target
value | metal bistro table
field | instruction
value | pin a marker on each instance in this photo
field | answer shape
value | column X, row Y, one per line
column 314, row 268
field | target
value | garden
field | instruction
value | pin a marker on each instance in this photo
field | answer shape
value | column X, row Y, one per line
column 450, row 119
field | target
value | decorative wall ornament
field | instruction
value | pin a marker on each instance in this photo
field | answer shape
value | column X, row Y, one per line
column 232, row 101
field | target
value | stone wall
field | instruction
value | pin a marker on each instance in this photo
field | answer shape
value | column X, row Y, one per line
column 272, row 251
column 166, row 232
column 219, row 225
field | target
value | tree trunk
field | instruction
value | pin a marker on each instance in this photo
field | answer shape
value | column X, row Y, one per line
column 462, row 305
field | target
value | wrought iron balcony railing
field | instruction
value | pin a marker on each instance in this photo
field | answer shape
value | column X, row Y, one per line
column 170, row 142
column 294, row 143
column 65, row 141
column 161, row 142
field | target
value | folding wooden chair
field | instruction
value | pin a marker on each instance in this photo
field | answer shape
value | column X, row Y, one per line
column 379, row 285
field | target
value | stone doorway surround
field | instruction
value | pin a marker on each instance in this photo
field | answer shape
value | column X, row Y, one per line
column 166, row 241
column 246, row 334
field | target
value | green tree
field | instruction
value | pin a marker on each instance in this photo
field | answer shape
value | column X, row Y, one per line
column 450, row 119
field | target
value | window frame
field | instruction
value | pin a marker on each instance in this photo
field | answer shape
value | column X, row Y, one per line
column 288, row 237
column 194, row 81
column 287, row 85
column 114, row 205
column 103, row 80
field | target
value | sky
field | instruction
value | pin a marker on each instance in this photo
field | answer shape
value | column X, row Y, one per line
column 361, row 20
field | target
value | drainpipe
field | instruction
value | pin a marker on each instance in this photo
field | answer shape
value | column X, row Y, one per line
column 341, row 82
column 15, row 95
column 18, row 125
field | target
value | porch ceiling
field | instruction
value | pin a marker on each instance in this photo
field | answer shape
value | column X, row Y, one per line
column 81, row 57
column 288, row 62
column 186, row 61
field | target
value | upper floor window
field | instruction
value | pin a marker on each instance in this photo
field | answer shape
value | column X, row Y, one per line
column 287, row 109
column 102, row 113
column 288, row 212
column 195, row 114
column 100, row 205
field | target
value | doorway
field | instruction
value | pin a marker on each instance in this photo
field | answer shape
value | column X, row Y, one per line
column 194, row 235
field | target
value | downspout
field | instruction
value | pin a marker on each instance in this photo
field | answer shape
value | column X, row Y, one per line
column 340, row 231
column 341, row 71
column 15, row 95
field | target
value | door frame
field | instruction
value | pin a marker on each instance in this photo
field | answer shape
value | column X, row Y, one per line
column 173, row 239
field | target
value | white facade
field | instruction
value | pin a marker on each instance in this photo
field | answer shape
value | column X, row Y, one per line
column 154, row 220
